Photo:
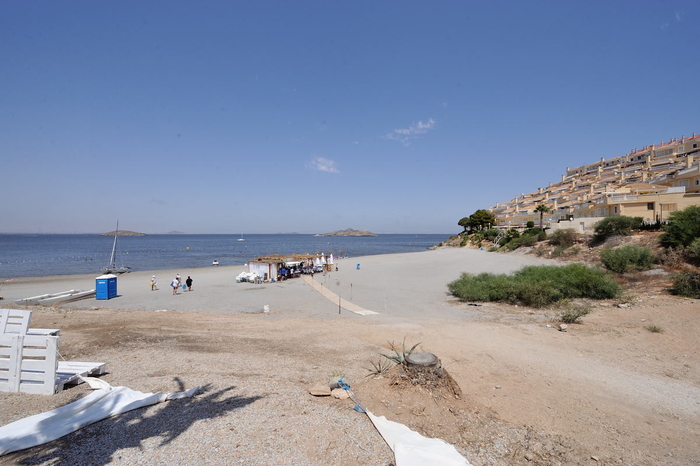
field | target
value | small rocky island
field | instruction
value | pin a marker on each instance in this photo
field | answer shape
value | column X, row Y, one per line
column 122, row 233
column 350, row 232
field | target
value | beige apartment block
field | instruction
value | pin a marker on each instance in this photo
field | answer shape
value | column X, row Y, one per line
column 650, row 183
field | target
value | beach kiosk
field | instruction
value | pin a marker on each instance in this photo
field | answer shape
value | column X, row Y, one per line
column 106, row 286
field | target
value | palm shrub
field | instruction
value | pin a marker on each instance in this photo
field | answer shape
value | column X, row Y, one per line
column 616, row 226
column 626, row 258
column 687, row 284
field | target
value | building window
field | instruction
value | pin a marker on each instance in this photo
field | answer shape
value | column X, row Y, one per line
column 695, row 146
column 650, row 206
column 697, row 181
column 615, row 210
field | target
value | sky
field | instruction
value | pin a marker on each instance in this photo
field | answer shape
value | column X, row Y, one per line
column 315, row 116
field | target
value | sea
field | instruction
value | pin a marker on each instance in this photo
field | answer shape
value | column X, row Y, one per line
column 36, row 255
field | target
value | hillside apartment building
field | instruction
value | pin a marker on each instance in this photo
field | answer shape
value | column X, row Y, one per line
column 650, row 182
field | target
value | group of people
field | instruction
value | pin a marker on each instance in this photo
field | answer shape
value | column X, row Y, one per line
column 175, row 284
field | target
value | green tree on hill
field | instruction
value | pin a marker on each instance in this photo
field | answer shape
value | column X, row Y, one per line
column 479, row 220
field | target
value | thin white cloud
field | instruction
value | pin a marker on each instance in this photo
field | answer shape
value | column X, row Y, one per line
column 324, row 165
column 664, row 26
column 406, row 135
column 678, row 17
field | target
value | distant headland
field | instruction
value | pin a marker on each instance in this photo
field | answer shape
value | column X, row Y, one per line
column 350, row 232
column 123, row 233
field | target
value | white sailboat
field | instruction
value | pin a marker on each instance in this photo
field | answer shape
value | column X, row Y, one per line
column 241, row 238
column 112, row 267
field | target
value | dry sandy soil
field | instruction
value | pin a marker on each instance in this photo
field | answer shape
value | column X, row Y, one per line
column 606, row 391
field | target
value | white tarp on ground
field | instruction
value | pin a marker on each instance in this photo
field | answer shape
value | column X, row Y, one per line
column 105, row 402
column 412, row 449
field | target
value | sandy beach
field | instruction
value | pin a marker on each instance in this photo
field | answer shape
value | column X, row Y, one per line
column 605, row 391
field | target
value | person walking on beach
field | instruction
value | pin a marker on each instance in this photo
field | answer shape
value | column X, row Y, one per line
column 188, row 282
column 154, row 284
column 175, row 284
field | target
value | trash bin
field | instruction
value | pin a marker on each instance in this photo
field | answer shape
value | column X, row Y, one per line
column 106, row 286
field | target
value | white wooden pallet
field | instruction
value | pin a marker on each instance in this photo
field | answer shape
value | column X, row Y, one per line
column 28, row 364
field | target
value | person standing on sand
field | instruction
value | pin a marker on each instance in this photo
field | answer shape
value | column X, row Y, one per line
column 154, row 284
column 188, row 282
column 175, row 284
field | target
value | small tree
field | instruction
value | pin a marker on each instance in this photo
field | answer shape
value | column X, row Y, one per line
column 542, row 209
column 464, row 223
column 683, row 228
column 616, row 226
column 480, row 220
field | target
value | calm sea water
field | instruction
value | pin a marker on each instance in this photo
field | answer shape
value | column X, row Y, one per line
column 40, row 255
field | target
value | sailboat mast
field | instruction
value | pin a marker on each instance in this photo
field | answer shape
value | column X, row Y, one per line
column 113, row 258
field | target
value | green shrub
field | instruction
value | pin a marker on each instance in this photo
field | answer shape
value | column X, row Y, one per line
column 654, row 329
column 532, row 232
column 616, row 226
column 627, row 258
column 463, row 241
column 491, row 233
column 573, row 314
column 530, row 224
column 528, row 241
column 564, row 238
column 687, row 284
column 558, row 251
column 693, row 250
column 541, row 236
column 683, row 228
column 515, row 243
column 536, row 286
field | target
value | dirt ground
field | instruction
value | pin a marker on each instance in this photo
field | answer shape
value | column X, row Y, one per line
column 605, row 391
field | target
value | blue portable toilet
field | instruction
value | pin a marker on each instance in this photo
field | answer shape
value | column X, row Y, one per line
column 106, row 286
column 358, row 266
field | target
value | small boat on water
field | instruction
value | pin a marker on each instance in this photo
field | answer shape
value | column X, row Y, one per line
column 216, row 262
column 112, row 266
column 241, row 238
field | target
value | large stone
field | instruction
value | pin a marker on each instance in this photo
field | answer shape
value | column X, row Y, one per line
column 340, row 394
column 320, row 389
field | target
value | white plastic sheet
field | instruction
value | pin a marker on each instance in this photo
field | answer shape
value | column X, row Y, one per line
column 105, row 402
column 412, row 449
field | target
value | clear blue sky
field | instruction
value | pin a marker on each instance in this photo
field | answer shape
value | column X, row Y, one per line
column 299, row 116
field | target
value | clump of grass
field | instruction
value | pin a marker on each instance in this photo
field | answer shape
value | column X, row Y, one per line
column 573, row 314
column 536, row 286
column 399, row 357
column 380, row 367
column 654, row 329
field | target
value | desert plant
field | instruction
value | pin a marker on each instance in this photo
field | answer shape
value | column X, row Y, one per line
column 400, row 357
column 683, row 228
column 670, row 257
column 573, row 314
column 564, row 238
column 626, row 258
column 616, row 226
column 687, row 284
column 654, row 329
column 380, row 367
column 559, row 250
column 693, row 250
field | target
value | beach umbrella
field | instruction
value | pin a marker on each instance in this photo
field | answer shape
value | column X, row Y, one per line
column 323, row 259
column 330, row 259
